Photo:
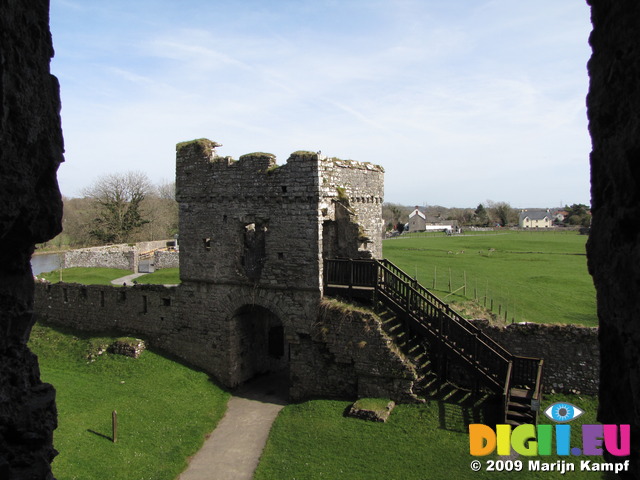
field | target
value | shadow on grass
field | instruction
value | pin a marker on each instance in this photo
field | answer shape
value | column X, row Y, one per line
column 100, row 434
column 459, row 408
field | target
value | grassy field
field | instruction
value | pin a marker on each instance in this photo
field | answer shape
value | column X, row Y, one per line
column 85, row 276
column 313, row 440
column 164, row 409
column 166, row 276
column 534, row 276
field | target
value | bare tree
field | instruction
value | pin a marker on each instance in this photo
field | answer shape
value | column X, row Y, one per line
column 502, row 213
column 161, row 209
column 119, row 200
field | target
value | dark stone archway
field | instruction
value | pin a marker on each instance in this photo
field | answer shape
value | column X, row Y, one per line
column 261, row 347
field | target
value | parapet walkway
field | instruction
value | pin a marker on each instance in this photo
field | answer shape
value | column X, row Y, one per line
column 233, row 449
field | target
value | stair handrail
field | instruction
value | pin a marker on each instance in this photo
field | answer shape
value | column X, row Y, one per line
column 495, row 355
column 454, row 316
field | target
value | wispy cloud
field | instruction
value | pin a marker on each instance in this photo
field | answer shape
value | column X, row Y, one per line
column 474, row 94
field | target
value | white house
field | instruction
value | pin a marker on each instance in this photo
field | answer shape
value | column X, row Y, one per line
column 535, row 219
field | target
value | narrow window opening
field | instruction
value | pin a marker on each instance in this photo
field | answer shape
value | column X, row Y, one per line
column 122, row 296
column 65, row 295
column 83, row 293
column 101, row 298
column 207, row 244
column 280, row 256
column 166, row 302
column 144, row 304
column 224, row 219
column 284, row 189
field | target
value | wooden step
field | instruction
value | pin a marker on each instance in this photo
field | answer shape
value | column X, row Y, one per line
column 519, row 393
column 519, row 407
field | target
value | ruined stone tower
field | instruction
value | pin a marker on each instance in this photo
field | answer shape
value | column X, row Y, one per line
column 253, row 237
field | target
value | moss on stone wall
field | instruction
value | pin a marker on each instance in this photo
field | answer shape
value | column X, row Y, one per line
column 203, row 145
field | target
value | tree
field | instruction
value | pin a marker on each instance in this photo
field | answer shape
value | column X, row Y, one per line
column 161, row 210
column 480, row 216
column 501, row 213
column 578, row 214
column 118, row 198
column 393, row 214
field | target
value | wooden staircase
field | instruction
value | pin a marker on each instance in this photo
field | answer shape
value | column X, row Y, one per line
column 438, row 340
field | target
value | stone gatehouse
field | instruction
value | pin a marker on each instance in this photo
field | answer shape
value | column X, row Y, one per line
column 253, row 239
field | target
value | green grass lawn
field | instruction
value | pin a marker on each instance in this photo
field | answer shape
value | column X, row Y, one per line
column 166, row 276
column 538, row 277
column 313, row 440
column 164, row 409
column 85, row 275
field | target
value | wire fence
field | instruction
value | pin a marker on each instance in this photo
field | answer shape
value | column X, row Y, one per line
column 452, row 285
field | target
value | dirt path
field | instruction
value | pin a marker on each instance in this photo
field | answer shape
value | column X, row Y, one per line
column 127, row 279
column 233, row 449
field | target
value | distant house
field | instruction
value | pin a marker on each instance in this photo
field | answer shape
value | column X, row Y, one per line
column 419, row 222
column 558, row 215
column 535, row 219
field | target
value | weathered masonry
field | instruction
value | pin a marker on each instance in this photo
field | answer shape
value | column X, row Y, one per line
column 253, row 239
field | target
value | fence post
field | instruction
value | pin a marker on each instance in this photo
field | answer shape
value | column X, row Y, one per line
column 114, row 426
column 465, row 283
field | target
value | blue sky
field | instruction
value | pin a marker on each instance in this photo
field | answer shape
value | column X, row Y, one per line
column 460, row 101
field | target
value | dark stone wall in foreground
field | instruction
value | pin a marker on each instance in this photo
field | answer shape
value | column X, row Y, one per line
column 614, row 245
column 30, row 212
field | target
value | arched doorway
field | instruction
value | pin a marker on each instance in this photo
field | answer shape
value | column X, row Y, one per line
column 261, row 347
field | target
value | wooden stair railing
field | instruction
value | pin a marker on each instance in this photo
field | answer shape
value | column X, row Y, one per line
column 428, row 317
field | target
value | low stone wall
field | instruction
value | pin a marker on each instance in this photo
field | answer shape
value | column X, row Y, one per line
column 112, row 256
column 123, row 256
column 164, row 259
column 570, row 352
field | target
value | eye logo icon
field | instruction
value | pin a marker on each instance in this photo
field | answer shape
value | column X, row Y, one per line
column 563, row 412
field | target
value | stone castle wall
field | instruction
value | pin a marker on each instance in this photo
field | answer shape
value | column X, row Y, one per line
column 246, row 221
column 571, row 353
column 253, row 221
column 341, row 353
